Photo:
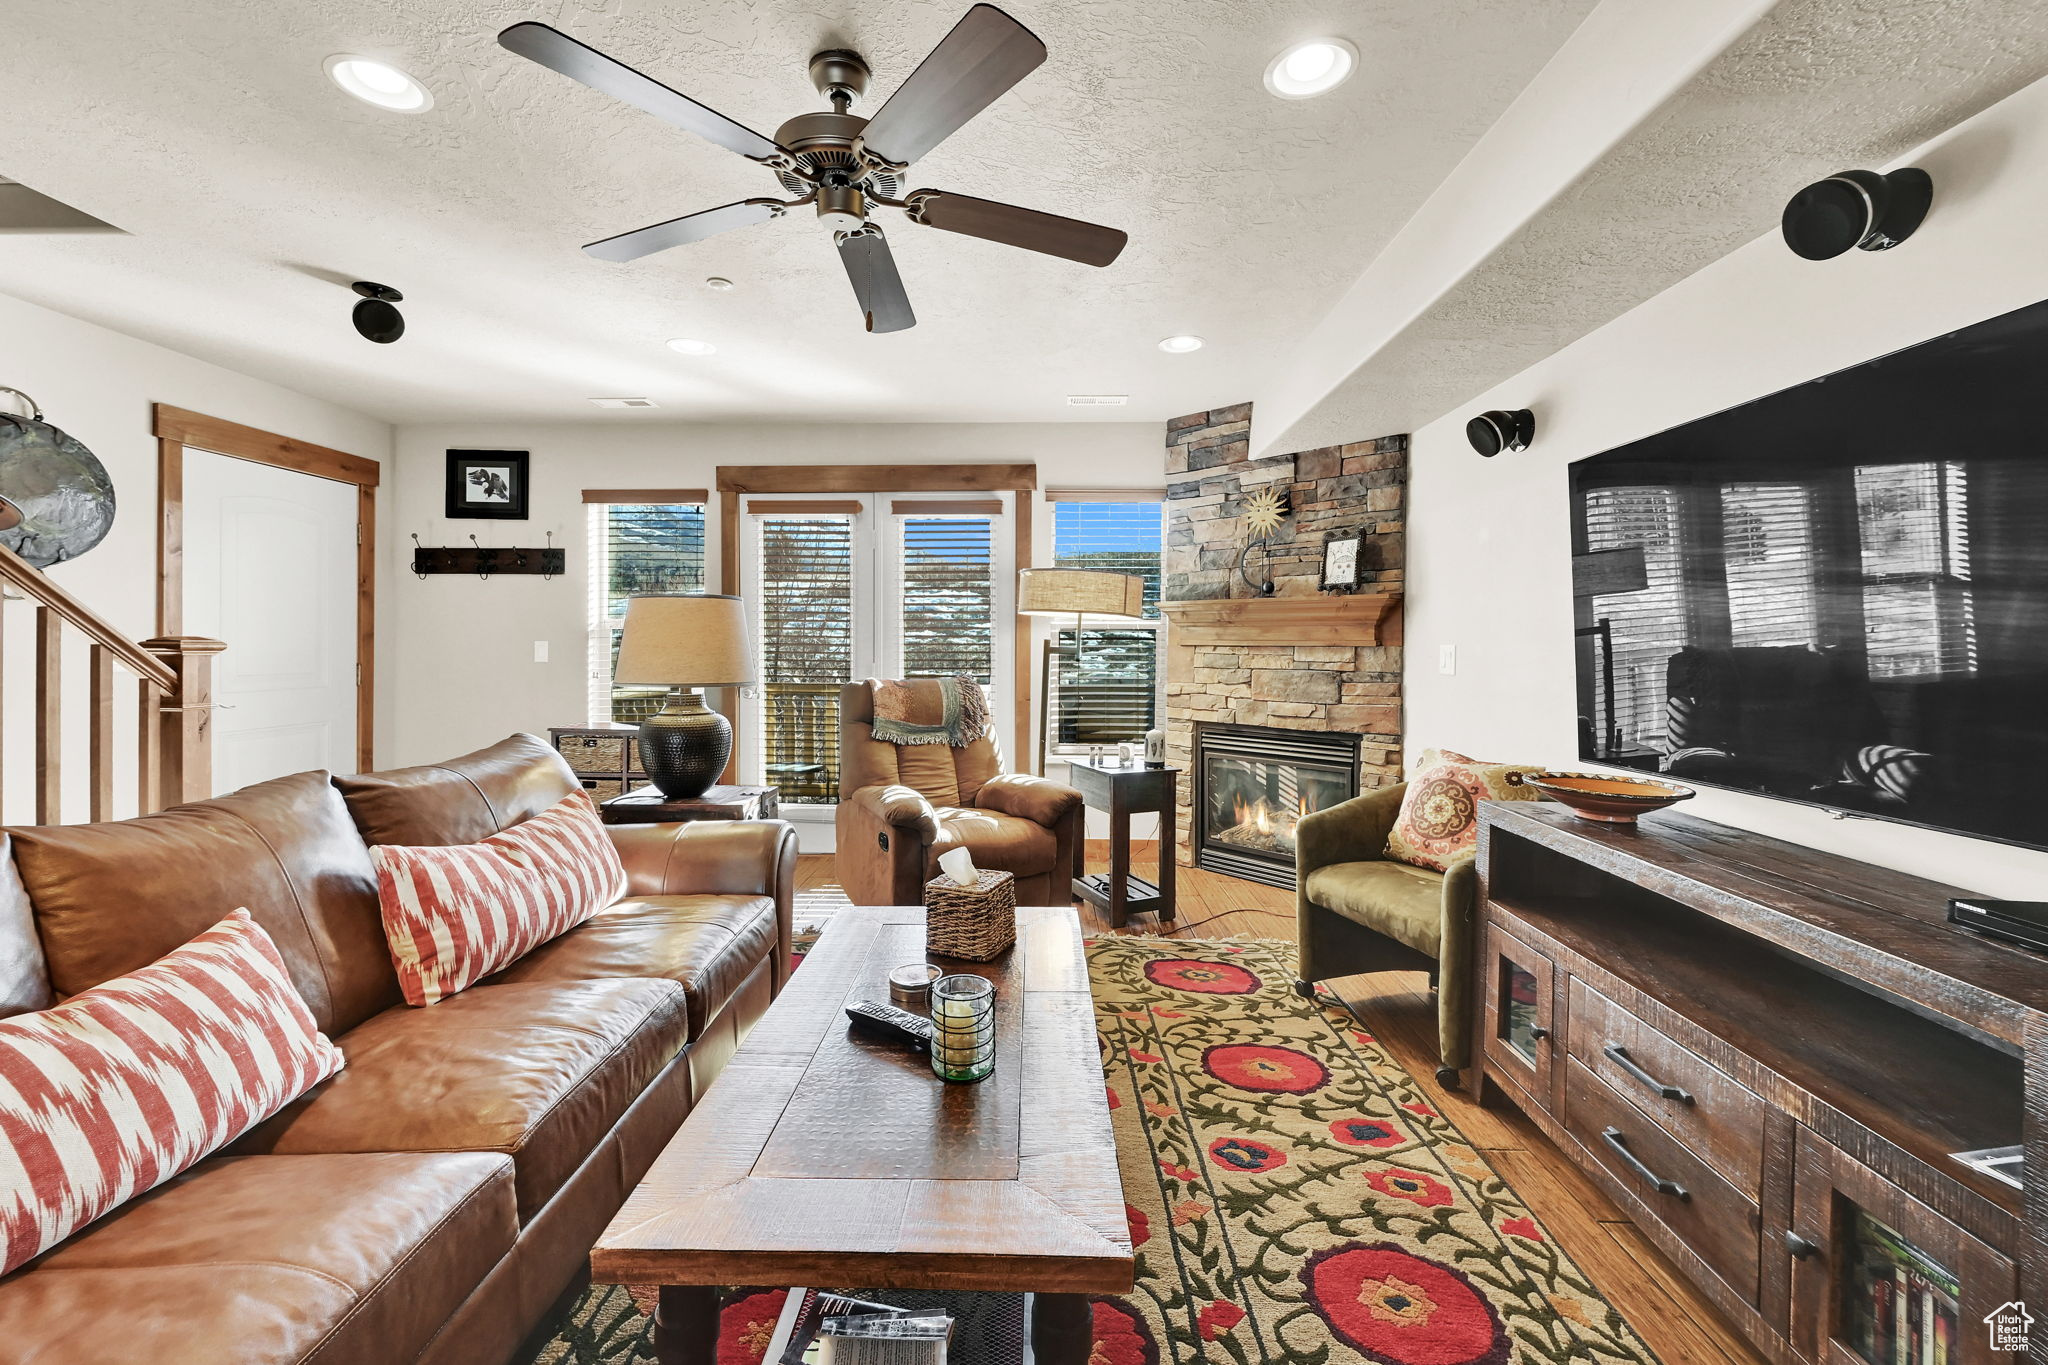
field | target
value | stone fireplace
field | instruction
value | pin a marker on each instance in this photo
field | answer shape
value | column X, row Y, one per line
column 1313, row 677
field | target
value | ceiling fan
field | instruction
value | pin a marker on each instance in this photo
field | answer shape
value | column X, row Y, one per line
column 844, row 164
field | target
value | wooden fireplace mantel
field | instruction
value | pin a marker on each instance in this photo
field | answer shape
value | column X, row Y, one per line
column 1324, row 619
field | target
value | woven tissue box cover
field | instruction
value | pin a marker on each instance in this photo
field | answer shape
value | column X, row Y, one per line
column 976, row 922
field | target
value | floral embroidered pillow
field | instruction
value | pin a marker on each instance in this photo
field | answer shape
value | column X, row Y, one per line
column 1439, row 819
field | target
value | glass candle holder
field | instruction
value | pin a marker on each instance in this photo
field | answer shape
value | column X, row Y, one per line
column 963, row 1028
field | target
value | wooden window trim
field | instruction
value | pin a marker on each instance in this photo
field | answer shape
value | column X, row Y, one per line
column 947, row 507
column 1106, row 494
column 647, row 497
column 175, row 430
column 877, row 478
column 804, row 507
column 1021, row 479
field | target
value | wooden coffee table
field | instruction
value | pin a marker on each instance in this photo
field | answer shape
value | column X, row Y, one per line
column 823, row 1158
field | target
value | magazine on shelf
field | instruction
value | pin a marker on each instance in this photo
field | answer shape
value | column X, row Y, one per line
column 804, row 1311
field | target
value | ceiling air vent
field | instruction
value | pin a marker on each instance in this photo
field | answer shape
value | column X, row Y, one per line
column 625, row 402
column 1097, row 400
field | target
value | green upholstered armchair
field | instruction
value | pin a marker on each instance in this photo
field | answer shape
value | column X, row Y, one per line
column 1361, row 911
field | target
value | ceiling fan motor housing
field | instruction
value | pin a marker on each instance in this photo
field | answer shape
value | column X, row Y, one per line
column 823, row 143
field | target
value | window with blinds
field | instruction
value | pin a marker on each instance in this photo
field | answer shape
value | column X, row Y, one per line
column 1770, row 559
column 947, row 609
column 639, row 549
column 805, row 618
column 1646, row 626
column 1919, row 609
column 1105, row 681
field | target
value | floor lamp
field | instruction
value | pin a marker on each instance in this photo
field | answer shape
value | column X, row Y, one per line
column 1081, row 594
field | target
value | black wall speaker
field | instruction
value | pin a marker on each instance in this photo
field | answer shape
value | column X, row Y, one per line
column 1856, row 209
column 1492, row 432
column 375, row 319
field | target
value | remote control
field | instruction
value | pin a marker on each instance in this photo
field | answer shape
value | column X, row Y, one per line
column 886, row 1021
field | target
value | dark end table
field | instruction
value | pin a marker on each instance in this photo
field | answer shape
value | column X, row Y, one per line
column 1125, row 789
column 646, row 805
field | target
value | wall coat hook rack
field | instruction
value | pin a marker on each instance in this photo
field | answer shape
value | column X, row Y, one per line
column 486, row 560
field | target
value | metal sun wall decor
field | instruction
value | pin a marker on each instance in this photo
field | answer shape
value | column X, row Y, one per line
column 56, row 498
column 1264, row 510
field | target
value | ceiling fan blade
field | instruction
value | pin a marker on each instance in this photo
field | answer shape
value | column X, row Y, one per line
column 986, row 53
column 559, row 52
column 871, row 267
column 691, row 227
column 1012, row 226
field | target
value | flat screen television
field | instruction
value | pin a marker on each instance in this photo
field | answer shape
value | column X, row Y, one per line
column 1837, row 594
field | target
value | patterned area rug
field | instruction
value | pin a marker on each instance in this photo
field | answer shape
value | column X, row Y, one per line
column 1293, row 1197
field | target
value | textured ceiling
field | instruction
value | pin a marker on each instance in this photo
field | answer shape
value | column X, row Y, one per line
column 1816, row 87
column 251, row 191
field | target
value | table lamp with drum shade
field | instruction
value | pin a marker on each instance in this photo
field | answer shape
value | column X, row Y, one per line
column 1081, row 594
column 684, row 642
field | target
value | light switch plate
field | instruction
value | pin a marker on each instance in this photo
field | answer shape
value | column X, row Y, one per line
column 540, row 651
column 1447, row 658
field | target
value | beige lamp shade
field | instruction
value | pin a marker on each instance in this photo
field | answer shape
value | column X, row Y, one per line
column 684, row 641
column 1080, row 592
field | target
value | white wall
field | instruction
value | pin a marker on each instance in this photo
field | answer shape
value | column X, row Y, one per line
column 98, row 385
column 464, row 673
column 1489, row 540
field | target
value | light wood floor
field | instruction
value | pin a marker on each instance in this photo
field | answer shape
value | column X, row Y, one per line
column 1675, row 1321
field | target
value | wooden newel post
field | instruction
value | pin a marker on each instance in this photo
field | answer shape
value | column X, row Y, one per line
column 185, row 718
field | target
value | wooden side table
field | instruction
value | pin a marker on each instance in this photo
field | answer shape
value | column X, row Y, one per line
column 1123, row 790
column 646, row 805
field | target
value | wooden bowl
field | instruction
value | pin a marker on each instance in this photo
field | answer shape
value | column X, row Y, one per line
column 1615, row 800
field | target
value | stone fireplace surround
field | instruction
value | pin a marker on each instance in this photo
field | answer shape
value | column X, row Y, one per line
column 1301, row 659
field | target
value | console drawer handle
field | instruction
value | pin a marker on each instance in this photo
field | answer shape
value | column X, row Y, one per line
column 1613, row 1138
column 1618, row 1054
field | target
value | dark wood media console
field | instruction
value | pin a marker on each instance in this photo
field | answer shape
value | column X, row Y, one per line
column 1769, row 1056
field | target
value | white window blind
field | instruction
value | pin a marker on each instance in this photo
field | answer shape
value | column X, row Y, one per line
column 806, row 627
column 1768, row 531
column 1647, row 625
column 638, row 549
column 1105, row 681
column 948, row 587
column 1919, row 607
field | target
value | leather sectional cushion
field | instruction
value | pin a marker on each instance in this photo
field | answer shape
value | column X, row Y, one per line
column 112, row 898
column 708, row 944
column 336, row 1260
column 462, row 801
column 539, row 1071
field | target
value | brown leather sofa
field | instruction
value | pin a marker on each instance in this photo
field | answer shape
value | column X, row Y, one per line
column 434, row 1201
column 902, row 805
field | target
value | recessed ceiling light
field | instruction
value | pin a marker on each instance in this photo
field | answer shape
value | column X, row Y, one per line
column 691, row 346
column 719, row 283
column 625, row 402
column 1097, row 400
column 1181, row 345
column 379, row 83
column 1311, row 68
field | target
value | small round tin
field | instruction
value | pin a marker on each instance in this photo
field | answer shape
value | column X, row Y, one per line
column 910, row 987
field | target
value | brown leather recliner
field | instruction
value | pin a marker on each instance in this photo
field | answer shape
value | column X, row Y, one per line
column 902, row 805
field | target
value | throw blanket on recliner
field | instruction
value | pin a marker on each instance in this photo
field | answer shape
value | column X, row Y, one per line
column 930, row 711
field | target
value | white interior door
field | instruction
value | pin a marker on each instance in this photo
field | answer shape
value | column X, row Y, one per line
column 270, row 568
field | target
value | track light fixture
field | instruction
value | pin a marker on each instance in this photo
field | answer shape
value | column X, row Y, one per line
column 1492, row 432
column 375, row 319
column 1862, row 209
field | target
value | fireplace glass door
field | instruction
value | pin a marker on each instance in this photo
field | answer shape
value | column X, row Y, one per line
column 1255, row 786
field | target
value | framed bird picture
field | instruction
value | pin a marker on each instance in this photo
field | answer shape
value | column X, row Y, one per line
column 486, row 485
